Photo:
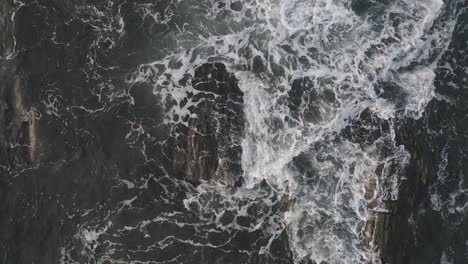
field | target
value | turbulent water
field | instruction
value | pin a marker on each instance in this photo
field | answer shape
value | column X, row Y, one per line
column 255, row 131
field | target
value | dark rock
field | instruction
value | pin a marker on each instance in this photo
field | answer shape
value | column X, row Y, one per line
column 425, row 231
column 209, row 149
column 236, row 6
column 310, row 105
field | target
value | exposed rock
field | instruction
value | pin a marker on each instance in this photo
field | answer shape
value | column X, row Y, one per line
column 210, row 146
column 7, row 41
column 419, row 227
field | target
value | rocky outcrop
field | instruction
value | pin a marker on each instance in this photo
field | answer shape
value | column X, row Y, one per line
column 429, row 221
column 209, row 147
column 7, row 41
column 18, row 129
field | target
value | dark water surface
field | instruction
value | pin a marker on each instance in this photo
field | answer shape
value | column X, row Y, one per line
column 233, row 132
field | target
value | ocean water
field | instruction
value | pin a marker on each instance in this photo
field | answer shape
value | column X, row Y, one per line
column 255, row 131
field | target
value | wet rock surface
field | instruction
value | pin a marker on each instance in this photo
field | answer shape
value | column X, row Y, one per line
column 428, row 223
column 210, row 144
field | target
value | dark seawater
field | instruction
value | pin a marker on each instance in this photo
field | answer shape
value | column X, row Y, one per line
column 233, row 132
